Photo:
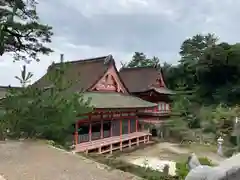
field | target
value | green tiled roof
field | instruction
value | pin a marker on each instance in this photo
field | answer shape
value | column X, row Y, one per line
column 115, row 100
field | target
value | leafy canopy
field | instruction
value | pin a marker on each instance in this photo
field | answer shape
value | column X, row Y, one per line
column 21, row 33
column 139, row 59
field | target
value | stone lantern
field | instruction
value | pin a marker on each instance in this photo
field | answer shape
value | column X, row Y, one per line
column 220, row 142
column 236, row 131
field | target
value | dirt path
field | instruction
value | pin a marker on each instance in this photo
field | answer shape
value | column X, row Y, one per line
column 1, row 178
column 38, row 161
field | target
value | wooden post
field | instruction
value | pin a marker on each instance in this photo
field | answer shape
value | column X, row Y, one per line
column 129, row 126
column 129, row 143
column 136, row 125
column 111, row 147
column 101, row 129
column 90, row 130
column 120, row 132
column 111, row 134
column 120, row 127
column 137, row 141
column 76, row 133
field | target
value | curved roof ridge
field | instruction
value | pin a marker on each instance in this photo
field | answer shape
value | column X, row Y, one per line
column 93, row 59
column 137, row 68
column 86, row 71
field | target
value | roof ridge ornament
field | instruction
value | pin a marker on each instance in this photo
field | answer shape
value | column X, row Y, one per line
column 108, row 59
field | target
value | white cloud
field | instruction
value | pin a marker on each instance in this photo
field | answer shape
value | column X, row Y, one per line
column 90, row 8
column 90, row 28
column 10, row 69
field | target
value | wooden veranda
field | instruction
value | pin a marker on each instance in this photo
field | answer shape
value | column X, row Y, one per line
column 110, row 144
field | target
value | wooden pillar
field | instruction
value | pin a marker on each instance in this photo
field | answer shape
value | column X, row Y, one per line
column 101, row 129
column 129, row 126
column 120, row 127
column 120, row 132
column 136, row 125
column 76, row 133
column 111, row 147
column 90, row 128
column 111, row 133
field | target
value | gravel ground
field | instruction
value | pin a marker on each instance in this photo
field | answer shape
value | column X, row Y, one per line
column 28, row 160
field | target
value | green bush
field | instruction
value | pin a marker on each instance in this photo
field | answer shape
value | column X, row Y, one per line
column 205, row 161
column 181, row 170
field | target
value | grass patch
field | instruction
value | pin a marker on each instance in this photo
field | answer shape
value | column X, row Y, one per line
column 142, row 172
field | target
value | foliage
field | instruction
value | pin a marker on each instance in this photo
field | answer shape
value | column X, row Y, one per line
column 182, row 167
column 207, row 84
column 21, row 32
column 230, row 151
column 219, row 119
column 139, row 59
column 25, row 77
column 182, row 170
column 48, row 113
column 205, row 161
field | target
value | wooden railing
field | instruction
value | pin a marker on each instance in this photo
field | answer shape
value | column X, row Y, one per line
column 95, row 136
column 83, row 138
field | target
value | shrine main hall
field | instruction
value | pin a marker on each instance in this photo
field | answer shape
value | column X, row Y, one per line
column 121, row 100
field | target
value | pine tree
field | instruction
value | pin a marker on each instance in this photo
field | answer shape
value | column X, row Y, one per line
column 21, row 32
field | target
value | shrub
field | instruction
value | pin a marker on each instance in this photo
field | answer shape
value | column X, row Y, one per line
column 205, row 161
column 181, row 170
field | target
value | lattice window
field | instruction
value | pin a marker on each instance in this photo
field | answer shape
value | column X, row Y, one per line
column 125, row 126
column 132, row 125
column 115, row 127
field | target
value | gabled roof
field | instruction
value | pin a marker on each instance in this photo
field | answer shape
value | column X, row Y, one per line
column 83, row 73
column 141, row 79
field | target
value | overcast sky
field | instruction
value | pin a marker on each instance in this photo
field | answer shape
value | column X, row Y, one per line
column 90, row 28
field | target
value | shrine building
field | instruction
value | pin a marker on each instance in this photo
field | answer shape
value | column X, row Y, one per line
column 148, row 84
column 121, row 100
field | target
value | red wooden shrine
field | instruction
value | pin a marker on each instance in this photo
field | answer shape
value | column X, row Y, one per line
column 114, row 122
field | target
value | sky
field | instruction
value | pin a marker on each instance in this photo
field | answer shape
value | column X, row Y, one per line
column 91, row 28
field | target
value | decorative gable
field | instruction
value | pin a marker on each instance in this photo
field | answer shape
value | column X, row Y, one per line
column 159, row 81
column 110, row 82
